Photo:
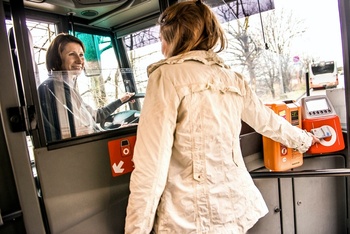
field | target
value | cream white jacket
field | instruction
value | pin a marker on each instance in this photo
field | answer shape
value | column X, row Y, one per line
column 189, row 174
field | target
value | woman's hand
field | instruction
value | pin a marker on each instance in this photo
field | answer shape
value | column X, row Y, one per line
column 315, row 139
column 126, row 97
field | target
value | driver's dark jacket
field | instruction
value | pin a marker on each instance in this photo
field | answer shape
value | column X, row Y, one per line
column 189, row 174
column 64, row 112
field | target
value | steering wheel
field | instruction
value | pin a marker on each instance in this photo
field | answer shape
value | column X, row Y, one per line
column 122, row 118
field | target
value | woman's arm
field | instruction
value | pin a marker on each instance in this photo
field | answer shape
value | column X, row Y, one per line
column 104, row 112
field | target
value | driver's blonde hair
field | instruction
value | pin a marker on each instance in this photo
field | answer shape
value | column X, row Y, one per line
column 190, row 25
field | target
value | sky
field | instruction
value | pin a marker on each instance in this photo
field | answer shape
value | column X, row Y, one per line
column 323, row 37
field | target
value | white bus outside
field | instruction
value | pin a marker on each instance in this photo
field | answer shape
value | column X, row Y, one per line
column 323, row 75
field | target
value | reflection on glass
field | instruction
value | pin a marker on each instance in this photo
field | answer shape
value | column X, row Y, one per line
column 66, row 113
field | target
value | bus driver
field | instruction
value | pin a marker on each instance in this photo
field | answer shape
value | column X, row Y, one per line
column 64, row 111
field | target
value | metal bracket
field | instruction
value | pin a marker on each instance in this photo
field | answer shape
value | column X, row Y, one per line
column 16, row 119
column 22, row 119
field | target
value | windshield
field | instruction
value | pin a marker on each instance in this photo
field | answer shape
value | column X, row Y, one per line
column 322, row 68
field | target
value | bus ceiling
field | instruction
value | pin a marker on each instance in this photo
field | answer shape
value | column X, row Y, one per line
column 114, row 14
column 104, row 14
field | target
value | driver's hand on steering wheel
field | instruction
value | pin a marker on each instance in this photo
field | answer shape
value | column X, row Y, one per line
column 126, row 97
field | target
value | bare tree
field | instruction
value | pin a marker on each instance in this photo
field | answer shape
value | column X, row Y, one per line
column 281, row 28
column 242, row 44
column 141, row 40
column 263, row 45
column 267, row 73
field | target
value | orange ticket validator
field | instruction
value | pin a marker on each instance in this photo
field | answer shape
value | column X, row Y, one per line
column 121, row 152
column 320, row 118
column 278, row 157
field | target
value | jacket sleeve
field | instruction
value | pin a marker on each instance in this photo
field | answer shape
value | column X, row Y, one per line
column 152, row 152
column 49, row 111
column 268, row 123
column 104, row 112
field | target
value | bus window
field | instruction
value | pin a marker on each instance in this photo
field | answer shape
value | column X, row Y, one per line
column 41, row 34
column 143, row 49
column 271, row 48
column 101, row 82
column 323, row 75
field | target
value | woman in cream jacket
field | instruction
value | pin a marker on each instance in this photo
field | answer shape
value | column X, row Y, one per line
column 189, row 174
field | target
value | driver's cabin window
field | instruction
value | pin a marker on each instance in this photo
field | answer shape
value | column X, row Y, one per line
column 82, row 86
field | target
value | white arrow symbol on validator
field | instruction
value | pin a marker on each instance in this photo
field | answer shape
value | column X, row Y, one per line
column 118, row 169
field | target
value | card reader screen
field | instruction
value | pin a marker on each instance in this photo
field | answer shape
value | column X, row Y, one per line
column 295, row 117
column 318, row 104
